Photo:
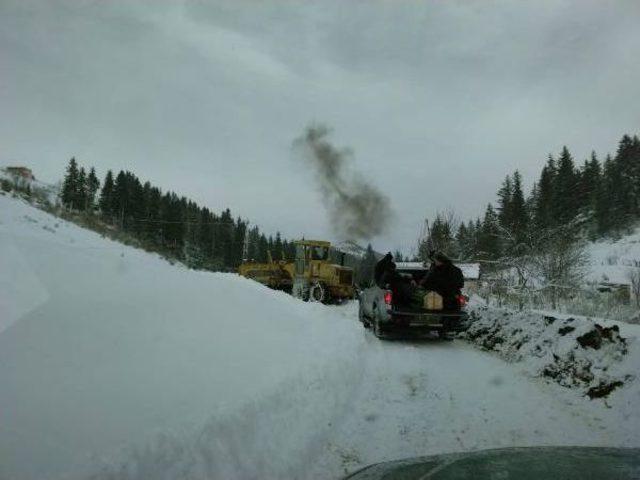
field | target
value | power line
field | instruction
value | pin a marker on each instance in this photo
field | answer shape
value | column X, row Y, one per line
column 144, row 220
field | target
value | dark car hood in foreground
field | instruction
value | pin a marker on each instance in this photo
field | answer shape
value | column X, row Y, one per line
column 561, row 463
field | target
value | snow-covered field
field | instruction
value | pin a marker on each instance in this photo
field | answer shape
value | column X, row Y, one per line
column 115, row 364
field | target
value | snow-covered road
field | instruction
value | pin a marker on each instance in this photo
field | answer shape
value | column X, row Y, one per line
column 416, row 397
column 115, row 364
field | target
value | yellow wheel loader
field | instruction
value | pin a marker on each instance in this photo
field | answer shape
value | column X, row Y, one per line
column 316, row 279
column 311, row 277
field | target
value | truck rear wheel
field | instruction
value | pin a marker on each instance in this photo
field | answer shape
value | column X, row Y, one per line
column 377, row 330
column 375, row 323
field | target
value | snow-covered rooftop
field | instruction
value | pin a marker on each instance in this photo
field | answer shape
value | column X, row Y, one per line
column 470, row 271
column 410, row 266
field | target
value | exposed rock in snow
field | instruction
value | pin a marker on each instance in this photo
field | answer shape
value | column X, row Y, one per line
column 574, row 352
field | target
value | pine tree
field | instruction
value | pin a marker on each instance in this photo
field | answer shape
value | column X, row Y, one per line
column 137, row 208
column 463, row 241
column 442, row 237
column 518, row 210
column 565, row 205
column 543, row 217
column 277, row 246
column 93, row 185
column 625, row 192
column 505, row 195
column 590, row 179
column 252, row 244
column 192, row 252
column 119, row 198
column 472, row 238
column 634, row 175
column 290, row 250
column 206, row 235
column 488, row 237
column 176, row 226
column 106, row 196
column 367, row 267
column 70, row 185
column 225, row 238
column 239, row 233
column 605, row 212
column 530, row 204
column 81, row 193
column 263, row 249
column 478, row 234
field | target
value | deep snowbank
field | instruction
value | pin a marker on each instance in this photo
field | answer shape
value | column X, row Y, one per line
column 572, row 351
column 103, row 348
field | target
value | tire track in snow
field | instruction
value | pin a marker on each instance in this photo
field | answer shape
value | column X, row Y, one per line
column 428, row 397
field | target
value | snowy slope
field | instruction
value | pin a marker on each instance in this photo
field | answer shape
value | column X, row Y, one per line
column 611, row 260
column 42, row 190
column 116, row 365
column 102, row 345
column 355, row 249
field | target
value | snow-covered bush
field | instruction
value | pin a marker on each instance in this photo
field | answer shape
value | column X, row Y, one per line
column 573, row 352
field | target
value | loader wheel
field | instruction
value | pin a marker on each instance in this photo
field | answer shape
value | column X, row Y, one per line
column 317, row 293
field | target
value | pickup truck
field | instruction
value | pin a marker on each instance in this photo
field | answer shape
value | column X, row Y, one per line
column 381, row 310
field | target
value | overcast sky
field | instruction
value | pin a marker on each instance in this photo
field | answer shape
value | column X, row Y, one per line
column 437, row 100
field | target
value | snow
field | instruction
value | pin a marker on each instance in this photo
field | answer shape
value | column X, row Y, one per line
column 353, row 248
column 558, row 347
column 115, row 364
column 410, row 266
column 114, row 344
column 44, row 191
column 470, row 271
column 611, row 260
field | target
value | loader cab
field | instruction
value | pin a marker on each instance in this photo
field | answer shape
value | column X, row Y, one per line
column 308, row 252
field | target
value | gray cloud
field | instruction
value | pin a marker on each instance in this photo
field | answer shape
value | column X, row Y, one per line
column 439, row 99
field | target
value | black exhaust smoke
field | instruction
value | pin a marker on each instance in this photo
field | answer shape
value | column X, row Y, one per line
column 357, row 210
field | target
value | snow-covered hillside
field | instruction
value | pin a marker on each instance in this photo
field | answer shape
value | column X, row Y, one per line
column 115, row 364
column 103, row 346
column 41, row 190
column 611, row 260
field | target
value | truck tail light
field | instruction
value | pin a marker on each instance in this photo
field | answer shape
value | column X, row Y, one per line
column 462, row 300
column 388, row 297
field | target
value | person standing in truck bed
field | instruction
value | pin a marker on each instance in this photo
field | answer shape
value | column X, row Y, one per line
column 382, row 267
column 445, row 279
